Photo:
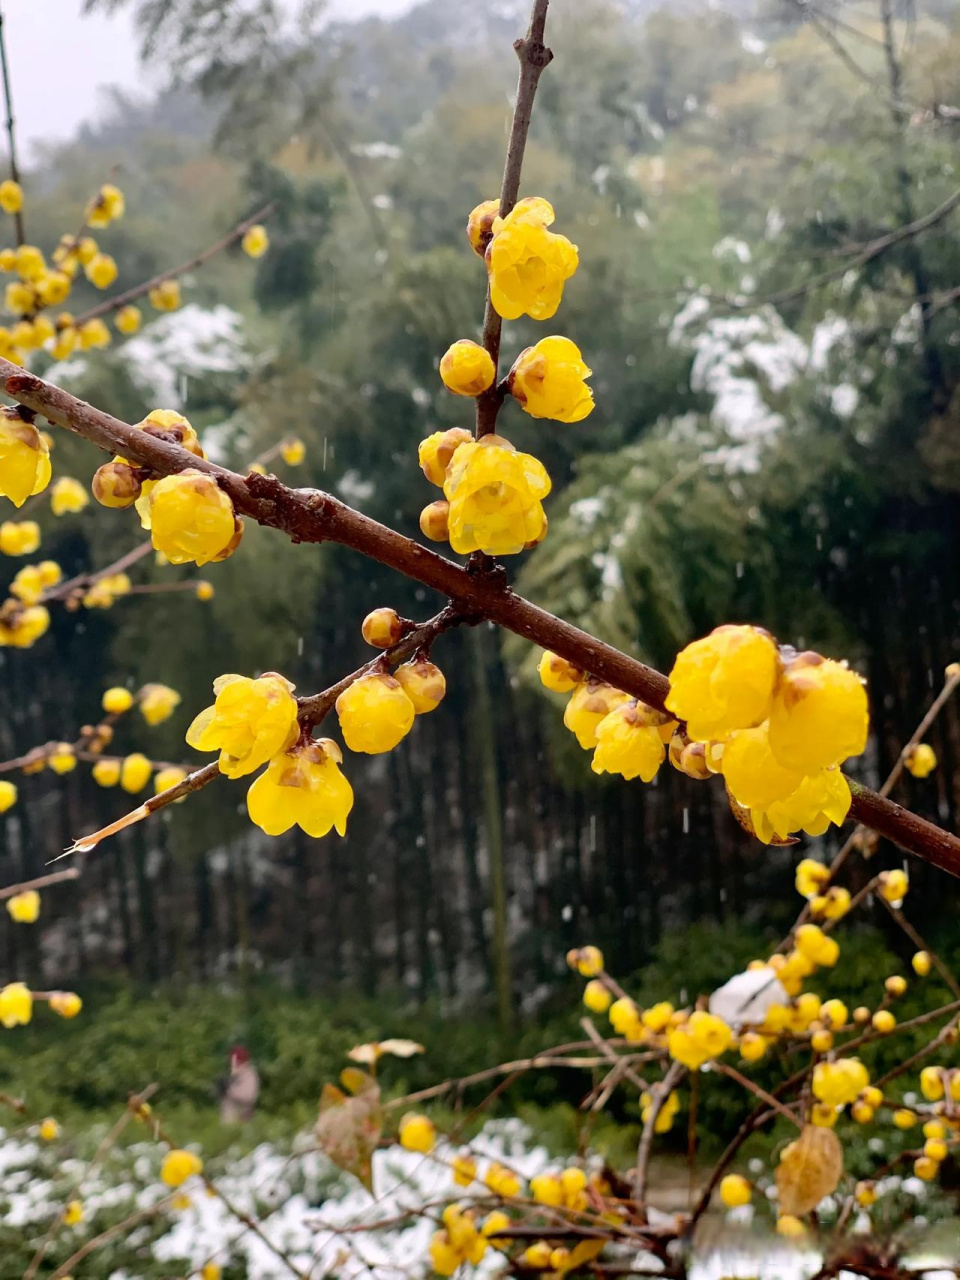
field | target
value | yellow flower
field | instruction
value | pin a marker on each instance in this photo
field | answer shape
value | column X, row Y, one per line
column 467, row 369
column 751, row 771
column 837, row 1083
column 835, row 1012
column 904, row 1118
column 629, row 742
column 926, row 1168
column 166, row 295
column 464, row 1169
column 250, row 722
column 501, row 1181
column 527, row 264
column 116, row 484
column 495, row 497
column 893, row 885
column 423, row 682
column 588, row 961
column 293, row 451
column 93, row 333
column 73, row 1213
column 16, row 1004
column 255, row 242
column 375, row 713
column 158, row 703
column 19, row 538
column 116, row 700
column 192, row 519
column 62, row 759
column 811, row 876
column 8, row 259
column 752, row 1046
column 920, row 760
column 735, row 1190
column 931, row 1083
column 724, row 682
column 65, row 1003
column 460, row 1242
column 596, row 997
column 101, row 271
column 128, row 319
column 921, row 963
column 205, row 591
column 383, row 627
column 30, row 262
column 832, row 905
column 67, row 496
column 106, row 773
column 49, row 1129
column 24, row 907
column 703, row 1036
column 819, row 715
column 24, row 458
column 895, row 985
column 557, row 673
column 65, row 343
column 167, row 778
column 820, row 799
column 86, row 249
column 106, row 205
column 625, row 1019
column 303, row 787
column 135, row 772
column 435, row 453
column 548, row 381
column 417, row 1133
column 29, row 625
column 179, row 1165
column 480, row 225
column 591, row 702
column 812, row 942
column 210, row 1271
column 883, row 1021
column 27, row 585
column 11, row 196
column 666, row 1115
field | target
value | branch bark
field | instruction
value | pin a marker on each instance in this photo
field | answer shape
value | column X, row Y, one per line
column 310, row 515
column 11, row 132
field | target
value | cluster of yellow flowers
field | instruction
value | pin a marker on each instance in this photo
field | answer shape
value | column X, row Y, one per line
column 492, row 494
column 16, row 1004
column 254, row 722
column 775, row 723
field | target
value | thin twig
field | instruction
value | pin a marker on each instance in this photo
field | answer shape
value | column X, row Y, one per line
column 11, row 132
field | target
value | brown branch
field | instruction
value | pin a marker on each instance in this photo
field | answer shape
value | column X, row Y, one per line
column 534, row 58
column 310, row 515
column 41, row 882
column 138, row 291
column 920, row 943
column 11, row 134
column 660, row 1094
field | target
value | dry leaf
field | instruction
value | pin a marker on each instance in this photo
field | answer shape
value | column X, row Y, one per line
column 348, row 1128
column 809, row 1169
column 369, row 1053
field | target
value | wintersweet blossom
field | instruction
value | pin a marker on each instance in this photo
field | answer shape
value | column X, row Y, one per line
column 375, row 713
column 192, row 519
column 819, row 714
column 302, row 787
column 467, row 369
column 495, row 496
column 724, row 682
column 24, row 458
column 250, row 722
column 549, row 381
column 527, row 264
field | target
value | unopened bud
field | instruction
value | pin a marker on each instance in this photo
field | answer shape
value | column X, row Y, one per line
column 116, row 484
column 383, row 628
column 434, row 521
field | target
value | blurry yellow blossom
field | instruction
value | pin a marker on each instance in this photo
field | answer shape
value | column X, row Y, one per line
column 416, row 1133
column 250, row 722
column 49, row 1129
column 596, row 997
column 116, row 700
column 921, row 963
column 11, row 196
column 588, row 961
column 135, row 772
column 480, row 224
column 67, row 496
column 24, row 908
column 883, row 1021
column 893, row 885
column 837, row 1083
column 812, row 942
column 166, row 295
column 303, row 787
column 65, row 1003
column 101, row 271
column 167, row 778
column 128, row 319
column 735, row 1190
column 464, row 1168
column 501, row 1181
column 62, row 758
column 931, row 1083
column 179, row 1165
column 549, row 381
column 93, row 333
column 106, row 773
column 667, row 1114
column 16, row 1004
column 28, row 625
column 255, row 242
column 811, row 876
column 920, row 760
column 820, row 799
column 106, row 205
column 293, row 451
column 703, row 1036
column 19, row 538
column 205, row 591
column 158, row 702
column 73, row 1213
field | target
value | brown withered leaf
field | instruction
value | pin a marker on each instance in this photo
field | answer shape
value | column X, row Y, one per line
column 809, row 1169
column 348, row 1127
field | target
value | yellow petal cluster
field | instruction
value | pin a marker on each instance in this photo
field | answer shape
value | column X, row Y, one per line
column 838, row 1083
column 458, row 1243
column 703, row 1036
column 16, row 1004
column 375, row 713
column 106, row 773
column 467, row 369
column 179, row 1165
column 255, row 242
column 67, row 496
column 24, row 458
column 24, row 908
column 166, row 295
column 250, row 722
column 724, row 682
column 302, row 787
column 158, row 702
column 920, row 760
column 417, row 1133
column 819, row 714
column 630, row 742
column 495, row 496
column 11, row 196
column 527, row 264
column 423, row 682
column 666, row 1115
column 19, row 537
column 436, row 452
column 589, row 704
column 192, row 519
column 107, row 204
column 549, row 381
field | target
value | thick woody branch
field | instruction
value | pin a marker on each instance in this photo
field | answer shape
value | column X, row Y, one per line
column 310, row 515
column 534, row 57
column 140, row 290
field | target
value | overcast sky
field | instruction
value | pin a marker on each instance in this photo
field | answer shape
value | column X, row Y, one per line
column 82, row 55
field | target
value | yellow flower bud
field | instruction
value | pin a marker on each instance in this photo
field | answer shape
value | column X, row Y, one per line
column 16, row 1005
column 49, row 1129
column 255, row 242
column 375, row 714
column 790, row 1227
column 19, row 538
column 549, row 381
column 30, row 262
column 893, row 886
column 501, row 1181
column 24, row 908
column 165, row 296
column 904, row 1118
column 588, row 961
column 423, row 683
column 895, row 985
column 883, row 1021
column 862, row 1112
column 106, row 205
column 179, row 1165
column 467, row 369
column 73, row 1213
column 205, row 591
column 62, row 759
column 866, row 1194
column 135, row 772
column 735, row 1190
column 101, row 271
column 417, row 1133
column 752, row 1046
column 480, row 225
column 596, row 997
column 557, row 673
column 116, row 700
column 926, row 1168
column 128, row 319
column 106, row 773
column 11, row 196
column 116, row 484
column 821, row 1041
column 921, row 960
column 66, row 1004
column 93, row 333
column 383, row 628
column 435, row 521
